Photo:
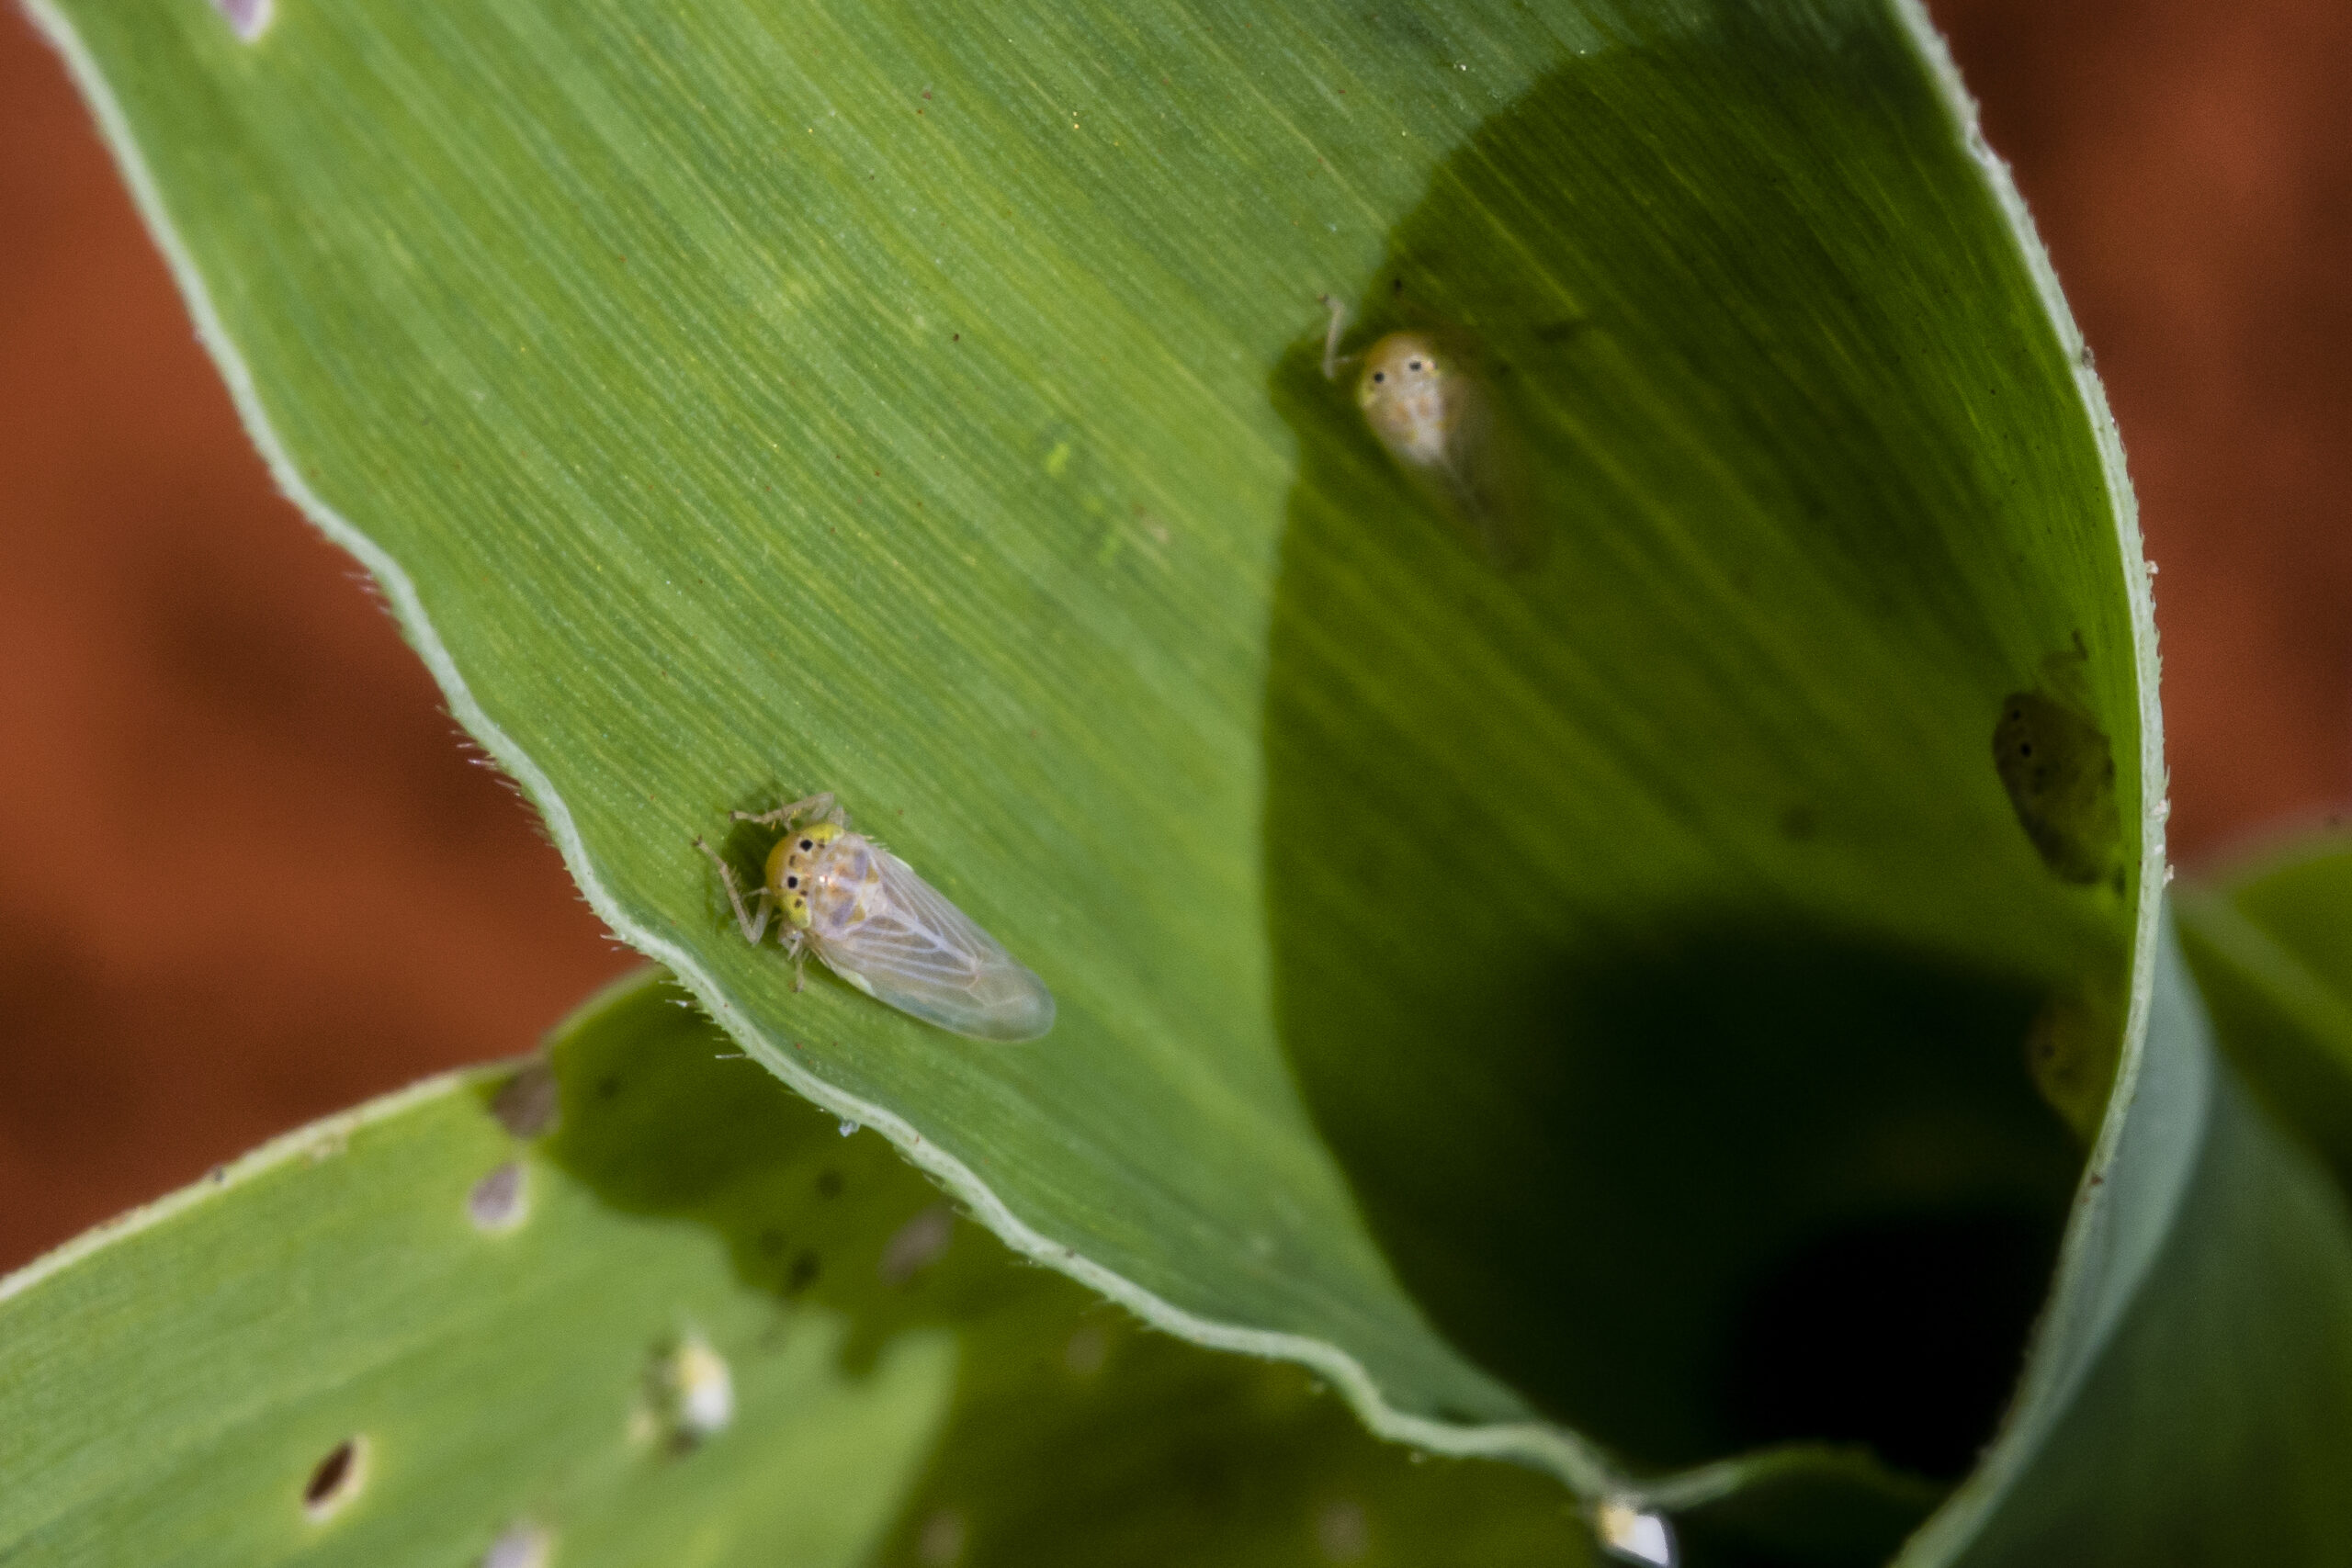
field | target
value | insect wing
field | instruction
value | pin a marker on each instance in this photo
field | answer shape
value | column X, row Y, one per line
column 923, row 956
column 1480, row 483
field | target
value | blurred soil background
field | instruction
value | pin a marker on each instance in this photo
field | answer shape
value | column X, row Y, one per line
column 249, row 875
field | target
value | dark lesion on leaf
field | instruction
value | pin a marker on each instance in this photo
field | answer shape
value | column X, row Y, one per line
column 527, row 1104
column 2059, row 768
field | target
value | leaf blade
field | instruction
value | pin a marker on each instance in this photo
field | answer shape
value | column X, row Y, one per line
column 899, row 1383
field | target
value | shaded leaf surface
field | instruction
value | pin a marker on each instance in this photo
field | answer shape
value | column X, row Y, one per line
column 2191, row 1390
column 1655, row 936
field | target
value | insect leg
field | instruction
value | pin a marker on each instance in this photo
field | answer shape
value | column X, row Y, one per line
column 752, row 928
column 816, row 806
column 1332, row 358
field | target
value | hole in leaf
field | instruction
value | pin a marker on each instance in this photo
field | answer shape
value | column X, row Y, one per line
column 336, row 1479
column 520, row 1546
column 498, row 1202
column 529, row 1103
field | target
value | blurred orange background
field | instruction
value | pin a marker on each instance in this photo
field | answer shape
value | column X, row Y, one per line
column 249, row 876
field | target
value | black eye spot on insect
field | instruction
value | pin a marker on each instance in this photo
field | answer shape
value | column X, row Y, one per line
column 807, row 843
column 1412, row 364
column 1378, row 377
column 792, row 882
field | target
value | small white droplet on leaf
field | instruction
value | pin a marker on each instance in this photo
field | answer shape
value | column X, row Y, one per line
column 1634, row 1535
column 696, row 1391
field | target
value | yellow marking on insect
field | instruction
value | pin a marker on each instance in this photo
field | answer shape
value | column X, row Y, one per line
column 791, row 867
column 872, row 921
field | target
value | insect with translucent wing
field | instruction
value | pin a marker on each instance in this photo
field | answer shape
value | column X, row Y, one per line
column 867, row 915
column 1425, row 398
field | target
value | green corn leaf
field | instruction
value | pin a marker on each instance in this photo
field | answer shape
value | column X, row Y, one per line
column 1531, row 918
column 499, row 1361
column 2271, row 944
